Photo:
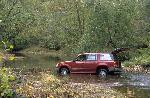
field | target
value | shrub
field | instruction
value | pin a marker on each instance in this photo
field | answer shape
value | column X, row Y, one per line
column 5, row 78
column 139, row 57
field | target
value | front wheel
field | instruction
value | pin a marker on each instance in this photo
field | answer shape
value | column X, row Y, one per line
column 102, row 73
column 64, row 71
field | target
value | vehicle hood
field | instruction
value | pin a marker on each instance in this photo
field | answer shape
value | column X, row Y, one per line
column 65, row 62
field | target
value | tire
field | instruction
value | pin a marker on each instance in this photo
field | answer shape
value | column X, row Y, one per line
column 64, row 71
column 102, row 73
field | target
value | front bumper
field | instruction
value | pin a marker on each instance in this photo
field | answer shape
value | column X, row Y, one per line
column 57, row 69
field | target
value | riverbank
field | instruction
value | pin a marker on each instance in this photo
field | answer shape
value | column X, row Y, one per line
column 44, row 85
column 44, row 51
column 137, row 69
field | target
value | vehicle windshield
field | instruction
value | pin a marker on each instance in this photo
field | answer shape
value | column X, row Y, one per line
column 80, row 58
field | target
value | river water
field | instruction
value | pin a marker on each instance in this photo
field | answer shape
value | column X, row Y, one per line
column 133, row 85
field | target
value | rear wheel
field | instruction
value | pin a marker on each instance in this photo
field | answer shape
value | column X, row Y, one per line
column 102, row 72
column 64, row 71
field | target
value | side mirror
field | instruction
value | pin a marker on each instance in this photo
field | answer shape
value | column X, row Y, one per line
column 74, row 60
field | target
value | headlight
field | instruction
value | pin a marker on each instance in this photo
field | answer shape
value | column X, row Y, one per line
column 57, row 64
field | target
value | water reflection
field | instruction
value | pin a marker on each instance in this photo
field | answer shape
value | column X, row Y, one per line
column 134, row 92
column 90, row 78
column 34, row 63
column 140, row 80
column 121, row 84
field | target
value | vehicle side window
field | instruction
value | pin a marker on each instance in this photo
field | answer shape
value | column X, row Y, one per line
column 106, row 57
column 91, row 57
column 81, row 58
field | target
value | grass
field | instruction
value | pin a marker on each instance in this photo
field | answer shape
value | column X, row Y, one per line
column 44, row 51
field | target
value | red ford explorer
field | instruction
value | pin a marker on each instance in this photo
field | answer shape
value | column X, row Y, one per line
column 99, row 63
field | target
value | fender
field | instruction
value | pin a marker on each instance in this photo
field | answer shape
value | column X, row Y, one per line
column 65, row 65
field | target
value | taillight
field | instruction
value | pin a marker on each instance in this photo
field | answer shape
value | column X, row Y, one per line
column 115, row 64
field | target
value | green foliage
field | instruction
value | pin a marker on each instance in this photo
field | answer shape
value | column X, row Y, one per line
column 5, row 78
column 21, row 43
column 112, row 24
column 75, row 25
column 139, row 57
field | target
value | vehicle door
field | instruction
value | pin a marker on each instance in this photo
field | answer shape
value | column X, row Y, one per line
column 90, row 63
column 78, row 63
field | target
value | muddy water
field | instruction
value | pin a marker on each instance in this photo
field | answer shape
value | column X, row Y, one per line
column 133, row 85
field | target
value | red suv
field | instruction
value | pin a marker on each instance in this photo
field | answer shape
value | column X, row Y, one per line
column 99, row 63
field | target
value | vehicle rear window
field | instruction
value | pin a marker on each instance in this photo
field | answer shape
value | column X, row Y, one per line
column 106, row 56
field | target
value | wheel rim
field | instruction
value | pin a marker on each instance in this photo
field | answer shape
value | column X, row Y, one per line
column 102, row 73
column 64, row 72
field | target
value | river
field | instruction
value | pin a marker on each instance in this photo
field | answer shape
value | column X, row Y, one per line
column 133, row 85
